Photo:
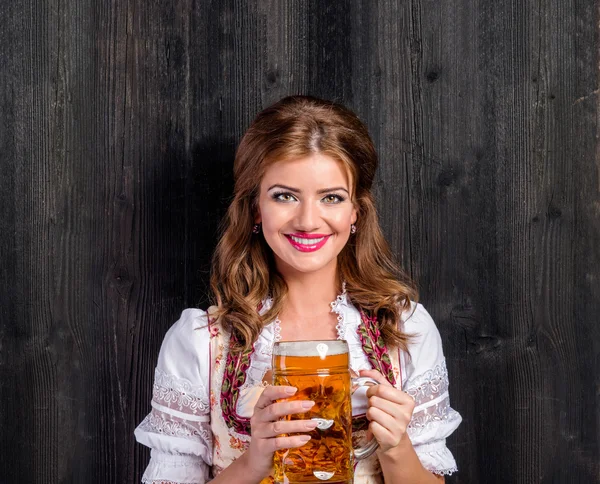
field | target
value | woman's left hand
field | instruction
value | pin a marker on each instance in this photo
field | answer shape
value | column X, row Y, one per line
column 389, row 412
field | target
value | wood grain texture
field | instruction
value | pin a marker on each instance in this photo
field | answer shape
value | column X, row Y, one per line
column 118, row 127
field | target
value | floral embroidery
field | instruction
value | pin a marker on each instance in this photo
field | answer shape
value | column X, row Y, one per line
column 214, row 331
column 160, row 423
column 237, row 444
column 430, row 385
column 176, row 392
column 430, row 391
column 423, row 419
column 374, row 347
column 233, row 379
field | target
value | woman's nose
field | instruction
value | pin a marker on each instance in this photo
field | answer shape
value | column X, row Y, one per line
column 308, row 217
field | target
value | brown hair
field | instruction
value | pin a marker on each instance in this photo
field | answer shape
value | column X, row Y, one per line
column 243, row 269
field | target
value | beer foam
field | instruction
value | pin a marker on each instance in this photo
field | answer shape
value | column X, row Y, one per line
column 321, row 349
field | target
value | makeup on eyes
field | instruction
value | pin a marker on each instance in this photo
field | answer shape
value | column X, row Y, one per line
column 275, row 196
column 297, row 190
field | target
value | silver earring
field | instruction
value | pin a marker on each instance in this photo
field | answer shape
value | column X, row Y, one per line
column 256, row 229
column 352, row 229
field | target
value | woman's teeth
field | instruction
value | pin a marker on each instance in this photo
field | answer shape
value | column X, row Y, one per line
column 299, row 240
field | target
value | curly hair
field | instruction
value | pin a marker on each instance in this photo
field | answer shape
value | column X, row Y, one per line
column 243, row 268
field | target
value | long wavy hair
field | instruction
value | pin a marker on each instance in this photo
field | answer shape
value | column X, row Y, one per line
column 243, row 267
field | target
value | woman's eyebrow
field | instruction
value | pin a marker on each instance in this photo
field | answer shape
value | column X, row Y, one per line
column 297, row 190
column 285, row 187
column 333, row 189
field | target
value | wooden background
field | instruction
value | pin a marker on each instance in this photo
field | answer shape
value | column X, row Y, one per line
column 118, row 125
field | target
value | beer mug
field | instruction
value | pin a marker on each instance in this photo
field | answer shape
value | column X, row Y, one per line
column 320, row 370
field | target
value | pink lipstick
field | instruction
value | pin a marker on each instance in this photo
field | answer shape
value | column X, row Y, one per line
column 307, row 242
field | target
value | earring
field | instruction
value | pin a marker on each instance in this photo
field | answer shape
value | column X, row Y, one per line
column 352, row 229
column 256, row 229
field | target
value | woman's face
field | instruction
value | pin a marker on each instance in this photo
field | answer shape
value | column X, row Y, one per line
column 306, row 209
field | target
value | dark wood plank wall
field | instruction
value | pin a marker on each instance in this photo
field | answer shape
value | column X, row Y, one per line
column 118, row 125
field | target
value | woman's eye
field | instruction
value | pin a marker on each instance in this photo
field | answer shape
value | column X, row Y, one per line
column 333, row 199
column 284, row 197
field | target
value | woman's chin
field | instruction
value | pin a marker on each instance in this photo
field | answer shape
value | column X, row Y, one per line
column 306, row 265
column 303, row 262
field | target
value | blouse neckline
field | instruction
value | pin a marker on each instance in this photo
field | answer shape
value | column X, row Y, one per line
column 336, row 307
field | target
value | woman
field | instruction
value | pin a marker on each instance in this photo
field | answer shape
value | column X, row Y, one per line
column 302, row 257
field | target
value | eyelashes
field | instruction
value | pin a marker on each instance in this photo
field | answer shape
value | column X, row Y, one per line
column 283, row 197
column 333, row 198
column 287, row 197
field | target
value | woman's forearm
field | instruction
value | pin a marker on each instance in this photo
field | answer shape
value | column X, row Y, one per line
column 239, row 471
column 401, row 465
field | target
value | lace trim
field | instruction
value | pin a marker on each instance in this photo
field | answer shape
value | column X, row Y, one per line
column 426, row 389
column 443, row 472
column 276, row 331
column 436, row 458
column 430, row 385
column 426, row 418
column 341, row 319
column 160, row 423
column 180, row 393
column 162, row 481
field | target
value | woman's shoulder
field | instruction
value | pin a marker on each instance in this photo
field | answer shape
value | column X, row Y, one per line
column 416, row 319
column 425, row 340
column 190, row 328
column 184, row 352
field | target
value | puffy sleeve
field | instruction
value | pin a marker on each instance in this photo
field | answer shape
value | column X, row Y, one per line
column 426, row 380
column 177, row 429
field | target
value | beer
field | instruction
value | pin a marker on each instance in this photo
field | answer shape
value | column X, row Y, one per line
column 320, row 371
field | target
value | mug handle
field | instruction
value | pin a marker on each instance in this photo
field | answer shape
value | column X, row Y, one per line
column 368, row 449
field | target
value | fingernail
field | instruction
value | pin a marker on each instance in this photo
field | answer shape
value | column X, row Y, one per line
column 312, row 424
column 304, row 438
column 290, row 390
column 307, row 404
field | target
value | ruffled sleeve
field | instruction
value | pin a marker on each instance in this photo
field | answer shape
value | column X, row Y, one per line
column 177, row 429
column 426, row 380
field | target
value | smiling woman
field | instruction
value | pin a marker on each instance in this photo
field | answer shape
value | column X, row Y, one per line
column 306, row 211
column 301, row 257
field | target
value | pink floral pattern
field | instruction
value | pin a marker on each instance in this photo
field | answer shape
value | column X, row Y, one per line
column 233, row 379
column 214, row 331
column 238, row 444
column 374, row 347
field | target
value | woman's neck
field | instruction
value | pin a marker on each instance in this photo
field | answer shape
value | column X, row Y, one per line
column 309, row 294
column 306, row 312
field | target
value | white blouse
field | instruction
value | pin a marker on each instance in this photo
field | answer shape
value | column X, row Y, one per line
column 178, row 427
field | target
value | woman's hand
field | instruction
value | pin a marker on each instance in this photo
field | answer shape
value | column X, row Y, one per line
column 266, row 425
column 389, row 412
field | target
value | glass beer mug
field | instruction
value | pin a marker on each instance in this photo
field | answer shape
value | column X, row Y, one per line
column 320, row 370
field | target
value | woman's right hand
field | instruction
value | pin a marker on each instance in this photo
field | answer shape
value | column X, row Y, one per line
column 266, row 426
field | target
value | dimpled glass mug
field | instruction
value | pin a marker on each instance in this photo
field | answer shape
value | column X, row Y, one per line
column 321, row 373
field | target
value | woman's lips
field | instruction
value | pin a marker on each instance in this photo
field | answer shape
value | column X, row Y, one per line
column 307, row 242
